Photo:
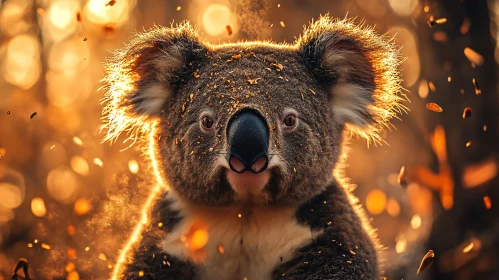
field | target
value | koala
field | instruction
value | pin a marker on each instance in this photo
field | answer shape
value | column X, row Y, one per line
column 246, row 137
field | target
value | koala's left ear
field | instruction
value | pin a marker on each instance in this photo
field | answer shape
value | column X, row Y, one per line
column 358, row 66
column 142, row 77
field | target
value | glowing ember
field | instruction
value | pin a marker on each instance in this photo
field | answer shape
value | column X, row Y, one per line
column 71, row 230
column 468, row 248
column 401, row 177
column 467, row 112
column 229, row 30
column 221, row 249
column 141, row 273
column 465, row 27
column 77, row 141
column 38, row 207
column 239, row 215
column 82, row 206
column 426, row 261
column 423, row 89
column 79, row 165
column 282, row 24
column 98, row 162
column 474, row 57
column 133, row 166
column 487, row 202
column 468, row 143
column 102, row 257
column 376, row 201
column 198, row 239
column 45, row 246
column 70, row 267
column 73, row 275
column 87, row 249
column 431, row 86
column 434, row 107
column 179, row 8
column 478, row 91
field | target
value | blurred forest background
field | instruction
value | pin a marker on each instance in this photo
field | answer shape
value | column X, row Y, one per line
column 68, row 202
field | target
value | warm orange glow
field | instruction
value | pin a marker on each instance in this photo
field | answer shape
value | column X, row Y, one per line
column 215, row 19
column 416, row 221
column 38, row 207
column 376, row 202
column 393, row 208
column 133, row 166
column 82, row 206
column 21, row 66
column 198, row 239
column 479, row 173
column 474, row 57
column 468, row 248
column 400, row 246
column 62, row 183
column 79, row 165
column 98, row 12
column 423, row 89
column 152, row 152
column 487, row 202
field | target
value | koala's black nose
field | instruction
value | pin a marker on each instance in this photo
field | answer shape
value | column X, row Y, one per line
column 248, row 139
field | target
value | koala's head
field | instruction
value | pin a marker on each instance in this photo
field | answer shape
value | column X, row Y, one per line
column 252, row 122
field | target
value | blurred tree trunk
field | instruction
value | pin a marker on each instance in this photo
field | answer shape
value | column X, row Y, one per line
column 453, row 229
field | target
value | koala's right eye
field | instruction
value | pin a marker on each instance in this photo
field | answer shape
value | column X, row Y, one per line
column 207, row 122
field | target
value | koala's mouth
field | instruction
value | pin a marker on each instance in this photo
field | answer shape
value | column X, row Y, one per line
column 248, row 185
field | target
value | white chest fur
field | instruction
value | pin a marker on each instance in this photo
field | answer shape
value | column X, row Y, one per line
column 242, row 244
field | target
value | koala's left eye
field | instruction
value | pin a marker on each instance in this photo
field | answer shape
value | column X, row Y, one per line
column 207, row 122
column 290, row 120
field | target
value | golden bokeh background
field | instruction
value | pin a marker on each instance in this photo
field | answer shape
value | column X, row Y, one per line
column 69, row 202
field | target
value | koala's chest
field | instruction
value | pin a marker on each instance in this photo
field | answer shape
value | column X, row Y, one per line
column 240, row 245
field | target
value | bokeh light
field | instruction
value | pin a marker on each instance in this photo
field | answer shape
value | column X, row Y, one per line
column 403, row 7
column 62, row 18
column 215, row 19
column 38, row 207
column 115, row 15
column 22, row 63
column 376, row 202
column 62, row 184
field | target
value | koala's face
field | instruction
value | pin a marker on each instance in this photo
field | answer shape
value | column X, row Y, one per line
column 257, row 122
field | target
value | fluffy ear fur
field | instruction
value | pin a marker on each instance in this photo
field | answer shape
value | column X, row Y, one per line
column 360, row 69
column 142, row 77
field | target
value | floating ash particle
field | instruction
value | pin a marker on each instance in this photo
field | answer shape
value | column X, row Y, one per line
column 78, row 17
column 431, row 86
column 434, row 107
column 102, row 257
column 465, row 27
column 84, row 39
column 87, row 249
column 77, row 141
column 111, row 3
column 478, row 91
column 468, row 248
column 282, row 24
column 426, row 261
column 487, row 202
column 8, row 112
column 229, row 30
column 179, row 8
column 401, row 177
column 474, row 57
column 467, row 112
column 33, row 115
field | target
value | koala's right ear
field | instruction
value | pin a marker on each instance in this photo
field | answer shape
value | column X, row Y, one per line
column 152, row 64
column 142, row 77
